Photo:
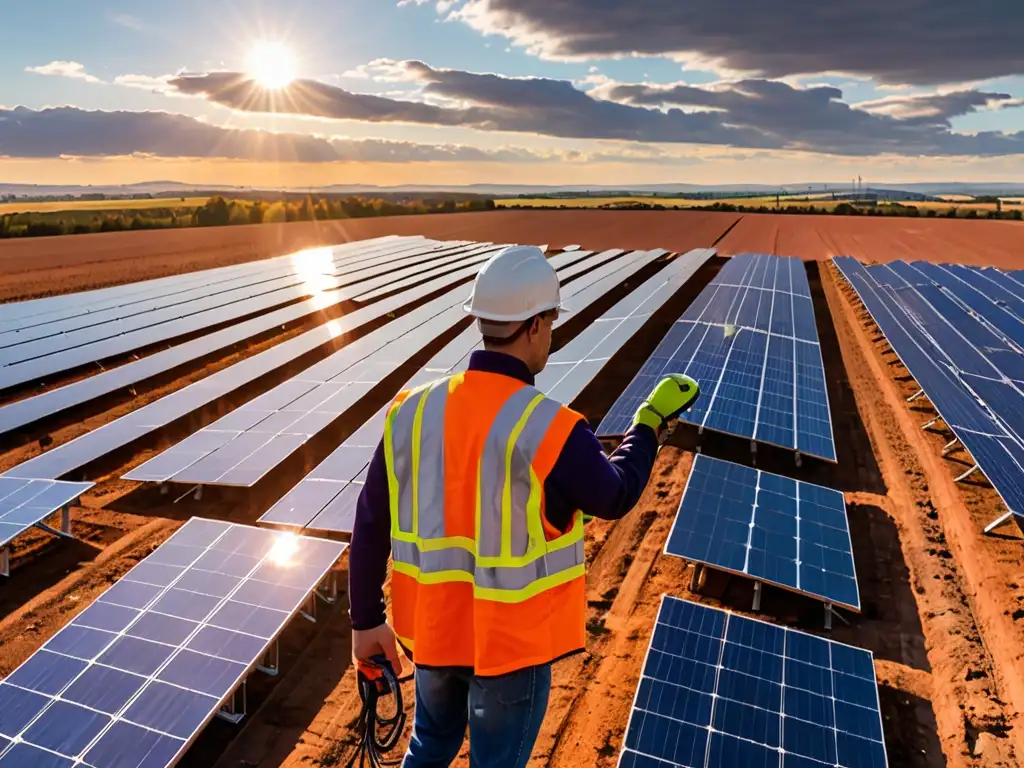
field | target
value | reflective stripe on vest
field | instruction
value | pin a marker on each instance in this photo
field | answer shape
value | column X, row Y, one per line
column 510, row 559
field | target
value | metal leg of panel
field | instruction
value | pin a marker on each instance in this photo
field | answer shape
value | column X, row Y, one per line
column 757, row 596
column 198, row 495
column 950, row 445
column 234, row 709
column 966, row 474
column 5, row 562
column 998, row 522
column 271, row 660
column 828, row 616
column 930, row 424
column 65, row 524
column 309, row 612
column 328, row 589
column 164, row 489
column 916, row 395
column 698, row 571
column 799, row 459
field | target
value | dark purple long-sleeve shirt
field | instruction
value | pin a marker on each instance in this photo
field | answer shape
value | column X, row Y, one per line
column 583, row 478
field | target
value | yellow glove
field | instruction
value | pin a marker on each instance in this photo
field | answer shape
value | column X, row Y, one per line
column 673, row 395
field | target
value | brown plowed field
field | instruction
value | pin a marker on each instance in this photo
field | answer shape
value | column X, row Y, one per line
column 943, row 605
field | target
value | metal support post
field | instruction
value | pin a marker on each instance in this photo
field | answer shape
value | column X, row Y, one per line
column 1000, row 521
column 930, row 424
column 198, row 495
column 698, row 571
column 271, row 660
column 65, row 520
column 309, row 612
column 330, row 596
column 799, row 459
column 234, row 709
column 916, row 395
column 828, row 616
column 164, row 489
column 757, row 596
column 966, row 474
column 949, row 446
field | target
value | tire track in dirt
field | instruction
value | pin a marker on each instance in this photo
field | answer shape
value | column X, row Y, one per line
column 967, row 682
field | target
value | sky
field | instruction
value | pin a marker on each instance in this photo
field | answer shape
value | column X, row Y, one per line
column 560, row 92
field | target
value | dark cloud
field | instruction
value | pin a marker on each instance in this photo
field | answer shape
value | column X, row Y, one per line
column 61, row 131
column 894, row 41
column 749, row 114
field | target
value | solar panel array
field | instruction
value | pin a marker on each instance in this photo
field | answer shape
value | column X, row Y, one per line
column 77, row 453
column 723, row 691
column 325, row 500
column 27, row 503
column 791, row 534
column 30, row 409
column 33, row 361
column 751, row 342
column 134, row 678
column 981, row 411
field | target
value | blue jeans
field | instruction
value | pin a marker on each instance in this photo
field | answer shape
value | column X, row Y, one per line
column 503, row 713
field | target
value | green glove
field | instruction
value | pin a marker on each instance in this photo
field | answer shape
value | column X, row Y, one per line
column 673, row 395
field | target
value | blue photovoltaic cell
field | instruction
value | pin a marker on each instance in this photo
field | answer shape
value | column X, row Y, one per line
column 726, row 691
column 25, row 503
column 132, row 679
column 750, row 339
column 982, row 422
column 774, row 529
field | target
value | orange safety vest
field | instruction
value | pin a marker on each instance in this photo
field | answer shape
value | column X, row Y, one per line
column 481, row 579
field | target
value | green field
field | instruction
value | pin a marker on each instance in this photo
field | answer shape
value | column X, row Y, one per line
column 88, row 206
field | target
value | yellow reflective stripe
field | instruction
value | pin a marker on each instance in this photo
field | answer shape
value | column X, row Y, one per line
column 389, row 461
column 447, row 542
column 506, row 491
column 417, row 428
column 496, row 595
column 571, row 537
column 534, row 521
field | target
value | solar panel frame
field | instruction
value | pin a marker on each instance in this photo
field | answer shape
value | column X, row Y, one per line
column 117, row 625
column 25, row 503
column 736, row 677
column 762, row 524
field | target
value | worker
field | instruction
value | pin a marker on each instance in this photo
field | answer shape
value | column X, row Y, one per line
column 478, row 492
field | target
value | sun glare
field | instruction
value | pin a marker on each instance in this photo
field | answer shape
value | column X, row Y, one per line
column 272, row 65
column 284, row 549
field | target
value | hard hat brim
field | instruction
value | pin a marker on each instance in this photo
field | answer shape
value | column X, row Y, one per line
column 496, row 318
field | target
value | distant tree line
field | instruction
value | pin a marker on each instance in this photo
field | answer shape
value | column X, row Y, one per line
column 220, row 212
column 843, row 209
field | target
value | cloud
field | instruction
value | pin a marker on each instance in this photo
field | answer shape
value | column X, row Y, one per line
column 68, row 131
column 71, row 69
column 145, row 82
column 748, row 114
column 909, row 41
column 128, row 21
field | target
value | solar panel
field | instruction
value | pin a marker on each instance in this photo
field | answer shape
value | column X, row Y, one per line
column 723, row 691
column 751, row 341
column 31, row 369
column 773, row 529
column 243, row 446
column 26, row 503
column 325, row 499
column 77, row 453
column 135, row 677
column 996, row 450
column 30, row 409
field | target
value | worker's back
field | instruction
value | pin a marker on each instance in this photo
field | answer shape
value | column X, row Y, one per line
column 481, row 579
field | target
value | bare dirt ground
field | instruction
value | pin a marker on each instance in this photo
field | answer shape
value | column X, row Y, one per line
column 943, row 605
column 962, row 241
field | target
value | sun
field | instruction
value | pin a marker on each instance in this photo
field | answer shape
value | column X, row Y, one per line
column 271, row 64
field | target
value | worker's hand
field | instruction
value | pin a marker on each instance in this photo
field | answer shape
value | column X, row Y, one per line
column 673, row 395
column 379, row 641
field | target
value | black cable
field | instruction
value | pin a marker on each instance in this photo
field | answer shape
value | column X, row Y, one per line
column 378, row 734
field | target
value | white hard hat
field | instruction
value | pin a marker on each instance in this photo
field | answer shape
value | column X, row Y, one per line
column 516, row 284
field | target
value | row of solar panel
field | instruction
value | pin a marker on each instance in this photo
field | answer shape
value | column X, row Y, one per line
column 27, row 370
column 996, row 450
column 754, row 351
column 325, row 500
column 134, row 678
